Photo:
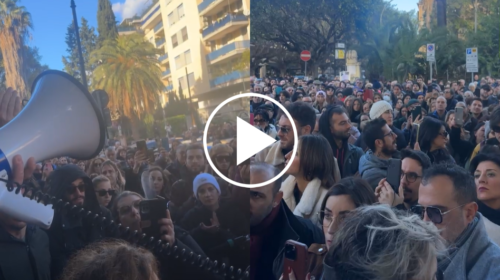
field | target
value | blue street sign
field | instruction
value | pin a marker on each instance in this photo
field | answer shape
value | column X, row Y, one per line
column 469, row 51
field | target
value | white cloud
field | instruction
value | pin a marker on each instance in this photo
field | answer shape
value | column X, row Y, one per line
column 130, row 8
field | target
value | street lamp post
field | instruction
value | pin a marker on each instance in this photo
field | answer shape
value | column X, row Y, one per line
column 80, row 54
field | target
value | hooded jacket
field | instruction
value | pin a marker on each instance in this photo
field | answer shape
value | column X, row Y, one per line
column 477, row 258
column 373, row 169
column 68, row 234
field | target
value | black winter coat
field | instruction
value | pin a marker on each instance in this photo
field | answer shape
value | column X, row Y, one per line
column 26, row 260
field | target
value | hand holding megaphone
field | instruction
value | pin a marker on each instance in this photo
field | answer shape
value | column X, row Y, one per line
column 61, row 119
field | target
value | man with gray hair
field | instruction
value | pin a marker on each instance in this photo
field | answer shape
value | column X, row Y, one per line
column 447, row 198
column 272, row 224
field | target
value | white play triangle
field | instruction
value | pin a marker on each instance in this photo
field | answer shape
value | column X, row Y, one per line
column 250, row 140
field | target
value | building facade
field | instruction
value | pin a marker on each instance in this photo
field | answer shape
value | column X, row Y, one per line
column 203, row 45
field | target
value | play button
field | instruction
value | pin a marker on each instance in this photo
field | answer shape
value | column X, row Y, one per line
column 250, row 141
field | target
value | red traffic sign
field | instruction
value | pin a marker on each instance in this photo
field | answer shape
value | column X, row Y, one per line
column 305, row 55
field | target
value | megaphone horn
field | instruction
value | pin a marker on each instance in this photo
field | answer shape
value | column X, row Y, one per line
column 61, row 119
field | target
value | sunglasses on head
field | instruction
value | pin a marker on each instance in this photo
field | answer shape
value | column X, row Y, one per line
column 104, row 192
column 434, row 213
column 72, row 188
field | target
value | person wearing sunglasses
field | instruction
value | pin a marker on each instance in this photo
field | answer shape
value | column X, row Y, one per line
column 262, row 122
column 223, row 158
column 447, row 198
column 69, row 233
column 376, row 242
column 304, row 118
column 432, row 139
column 103, row 189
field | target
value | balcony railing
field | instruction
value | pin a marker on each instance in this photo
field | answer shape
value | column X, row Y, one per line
column 151, row 13
column 227, row 19
column 163, row 57
column 169, row 88
column 228, row 48
column 203, row 5
column 165, row 73
column 160, row 42
column 228, row 77
column 158, row 26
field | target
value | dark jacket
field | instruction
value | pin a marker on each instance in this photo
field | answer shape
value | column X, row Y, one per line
column 401, row 141
column 436, row 115
column 489, row 213
column 285, row 226
column 68, row 233
column 26, row 260
column 460, row 149
column 450, row 104
column 440, row 156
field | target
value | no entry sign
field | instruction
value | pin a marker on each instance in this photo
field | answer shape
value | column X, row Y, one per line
column 305, row 55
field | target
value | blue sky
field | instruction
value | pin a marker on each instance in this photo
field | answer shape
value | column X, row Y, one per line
column 51, row 21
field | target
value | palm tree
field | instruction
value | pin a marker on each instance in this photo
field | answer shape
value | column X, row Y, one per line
column 128, row 71
column 15, row 22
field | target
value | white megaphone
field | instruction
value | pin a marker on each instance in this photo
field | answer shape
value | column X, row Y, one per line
column 61, row 119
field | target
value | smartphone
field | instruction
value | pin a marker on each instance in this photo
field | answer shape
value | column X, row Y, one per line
column 151, row 155
column 151, row 211
column 459, row 116
column 296, row 257
column 416, row 112
column 394, row 174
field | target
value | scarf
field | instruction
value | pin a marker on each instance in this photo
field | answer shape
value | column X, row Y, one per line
column 311, row 199
column 443, row 263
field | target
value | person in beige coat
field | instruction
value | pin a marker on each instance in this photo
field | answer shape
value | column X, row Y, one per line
column 312, row 172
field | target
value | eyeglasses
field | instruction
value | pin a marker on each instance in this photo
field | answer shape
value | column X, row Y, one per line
column 72, row 188
column 410, row 176
column 391, row 133
column 223, row 158
column 124, row 210
column 283, row 129
column 434, row 213
column 104, row 192
column 259, row 121
column 444, row 134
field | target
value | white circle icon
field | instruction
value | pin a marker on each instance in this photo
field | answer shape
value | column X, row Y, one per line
column 240, row 131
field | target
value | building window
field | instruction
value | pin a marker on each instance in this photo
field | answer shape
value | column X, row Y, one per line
column 179, row 61
column 171, row 19
column 184, row 33
column 180, row 11
column 174, row 41
column 191, row 79
column 182, row 83
column 187, row 57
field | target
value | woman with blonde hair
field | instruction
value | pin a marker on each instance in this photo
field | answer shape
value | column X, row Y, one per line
column 222, row 157
column 94, row 166
column 114, row 174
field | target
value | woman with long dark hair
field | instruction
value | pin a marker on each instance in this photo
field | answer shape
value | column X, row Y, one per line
column 355, row 109
column 432, row 139
column 312, row 172
column 486, row 170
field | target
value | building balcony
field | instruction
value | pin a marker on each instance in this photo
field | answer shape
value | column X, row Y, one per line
column 158, row 27
column 212, row 7
column 165, row 73
column 227, row 78
column 163, row 58
column 151, row 18
column 227, row 25
column 228, row 51
column 160, row 42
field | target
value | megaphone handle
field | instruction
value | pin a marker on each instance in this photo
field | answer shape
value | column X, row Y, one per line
column 135, row 237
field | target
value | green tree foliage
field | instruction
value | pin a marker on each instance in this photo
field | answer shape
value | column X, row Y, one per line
column 106, row 22
column 88, row 39
column 32, row 65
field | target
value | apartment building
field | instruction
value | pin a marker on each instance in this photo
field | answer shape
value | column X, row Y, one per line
column 203, row 43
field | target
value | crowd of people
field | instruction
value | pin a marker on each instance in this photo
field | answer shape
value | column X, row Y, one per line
column 339, row 197
column 206, row 217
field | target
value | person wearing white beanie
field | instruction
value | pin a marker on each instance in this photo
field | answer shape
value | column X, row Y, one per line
column 383, row 109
